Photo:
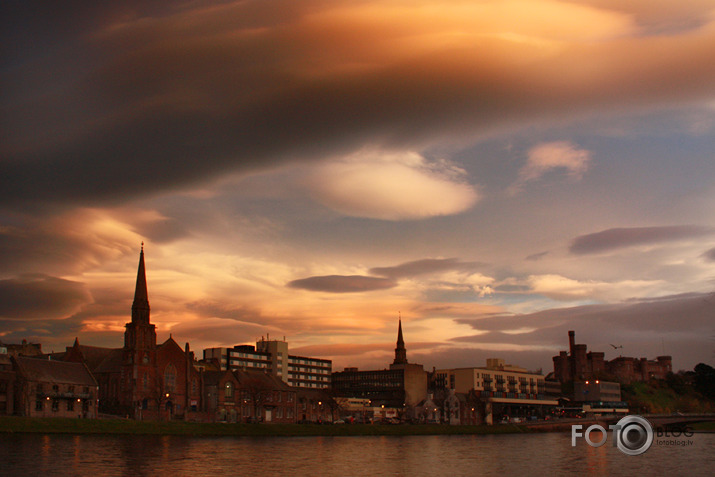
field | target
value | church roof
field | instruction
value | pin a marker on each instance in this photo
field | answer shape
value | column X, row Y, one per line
column 52, row 371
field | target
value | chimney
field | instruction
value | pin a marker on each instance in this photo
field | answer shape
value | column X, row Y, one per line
column 572, row 341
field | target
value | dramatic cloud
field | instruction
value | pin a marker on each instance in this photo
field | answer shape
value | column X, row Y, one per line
column 391, row 187
column 612, row 239
column 161, row 97
column 342, row 284
column 311, row 168
column 32, row 297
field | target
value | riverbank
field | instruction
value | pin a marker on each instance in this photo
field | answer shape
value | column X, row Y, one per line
column 14, row 424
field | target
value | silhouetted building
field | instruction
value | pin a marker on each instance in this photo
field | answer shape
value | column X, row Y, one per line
column 143, row 380
column 578, row 364
column 403, row 385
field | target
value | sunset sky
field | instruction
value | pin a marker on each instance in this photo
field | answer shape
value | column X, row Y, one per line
column 498, row 172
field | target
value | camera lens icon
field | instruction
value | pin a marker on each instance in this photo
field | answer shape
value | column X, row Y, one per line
column 634, row 435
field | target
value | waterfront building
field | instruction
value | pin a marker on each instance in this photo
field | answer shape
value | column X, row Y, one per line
column 50, row 388
column 579, row 364
column 7, row 385
column 596, row 390
column 401, row 387
column 506, row 390
column 143, row 380
column 273, row 357
column 248, row 396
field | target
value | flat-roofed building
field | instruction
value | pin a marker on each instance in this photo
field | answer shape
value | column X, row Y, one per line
column 506, row 389
column 404, row 385
column 273, row 356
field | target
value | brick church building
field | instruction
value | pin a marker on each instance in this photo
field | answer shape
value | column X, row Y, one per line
column 143, row 380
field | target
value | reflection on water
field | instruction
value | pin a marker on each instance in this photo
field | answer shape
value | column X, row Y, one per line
column 544, row 454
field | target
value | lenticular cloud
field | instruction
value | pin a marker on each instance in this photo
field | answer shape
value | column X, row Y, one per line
column 392, row 187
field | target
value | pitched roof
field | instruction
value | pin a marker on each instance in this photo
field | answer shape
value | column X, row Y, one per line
column 260, row 379
column 112, row 362
column 52, row 371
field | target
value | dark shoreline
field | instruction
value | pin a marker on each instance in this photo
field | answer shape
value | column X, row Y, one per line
column 13, row 424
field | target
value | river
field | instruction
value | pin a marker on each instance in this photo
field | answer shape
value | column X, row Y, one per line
column 516, row 454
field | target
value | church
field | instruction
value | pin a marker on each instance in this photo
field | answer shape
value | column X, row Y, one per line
column 143, row 380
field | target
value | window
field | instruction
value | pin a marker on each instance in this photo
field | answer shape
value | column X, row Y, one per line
column 70, row 404
column 170, row 378
column 55, row 405
column 228, row 390
column 38, row 405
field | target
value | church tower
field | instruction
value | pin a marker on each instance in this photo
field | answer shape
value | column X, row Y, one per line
column 139, row 352
column 400, row 351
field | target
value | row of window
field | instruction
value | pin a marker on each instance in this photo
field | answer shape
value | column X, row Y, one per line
column 69, row 404
column 70, row 388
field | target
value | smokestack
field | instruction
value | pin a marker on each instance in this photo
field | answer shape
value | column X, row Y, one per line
column 572, row 341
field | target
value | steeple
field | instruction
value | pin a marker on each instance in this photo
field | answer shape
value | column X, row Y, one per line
column 400, row 351
column 140, row 307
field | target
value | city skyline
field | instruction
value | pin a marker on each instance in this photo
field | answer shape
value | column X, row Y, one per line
column 497, row 173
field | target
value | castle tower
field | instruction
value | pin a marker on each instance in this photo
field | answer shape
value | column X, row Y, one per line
column 138, row 380
column 400, row 351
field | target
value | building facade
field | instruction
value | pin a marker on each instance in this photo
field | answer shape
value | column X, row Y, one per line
column 50, row 388
column 273, row 357
column 143, row 379
column 579, row 365
column 505, row 389
column 403, row 385
column 248, row 396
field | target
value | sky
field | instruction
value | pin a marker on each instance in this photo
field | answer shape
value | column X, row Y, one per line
column 495, row 173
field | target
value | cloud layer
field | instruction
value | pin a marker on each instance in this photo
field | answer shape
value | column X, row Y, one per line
column 151, row 102
column 498, row 172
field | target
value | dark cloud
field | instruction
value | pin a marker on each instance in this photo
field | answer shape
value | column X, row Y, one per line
column 163, row 231
column 627, row 237
column 208, row 330
column 52, row 245
column 424, row 267
column 133, row 100
column 709, row 255
column 537, row 256
column 343, row 284
column 33, row 297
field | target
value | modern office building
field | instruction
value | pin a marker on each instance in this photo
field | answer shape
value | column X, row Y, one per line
column 404, row 385
column 273, row 356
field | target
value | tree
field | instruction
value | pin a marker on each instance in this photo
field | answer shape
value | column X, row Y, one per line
column 704, row 380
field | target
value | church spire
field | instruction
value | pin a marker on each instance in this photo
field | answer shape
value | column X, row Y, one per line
column 140, row 307
column 400, row 351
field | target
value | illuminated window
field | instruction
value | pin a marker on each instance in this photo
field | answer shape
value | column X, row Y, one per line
column 228, row 390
